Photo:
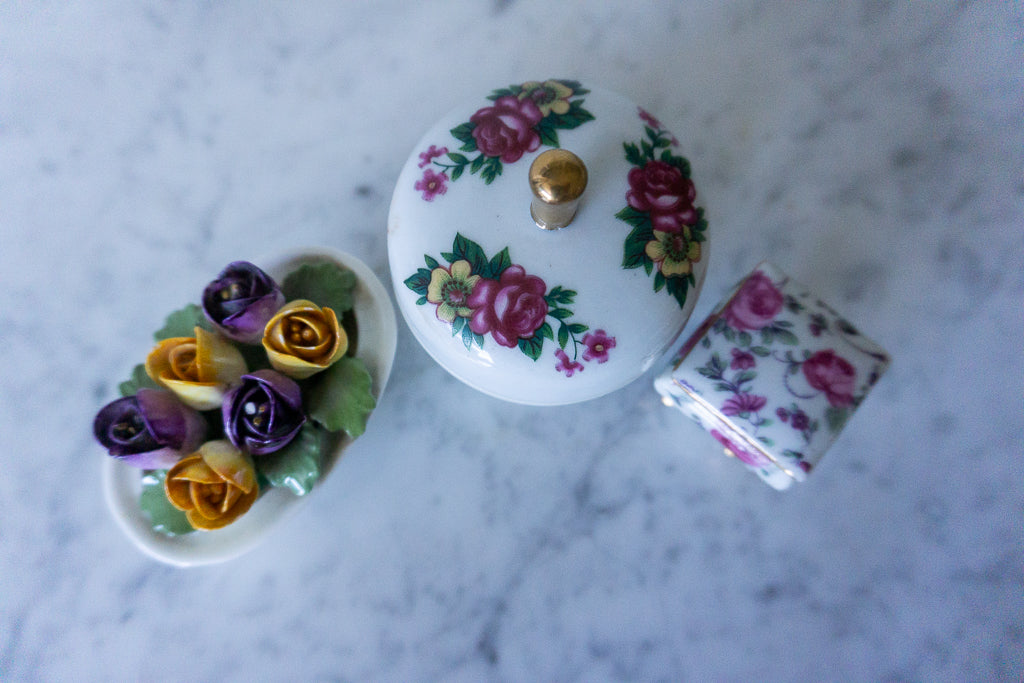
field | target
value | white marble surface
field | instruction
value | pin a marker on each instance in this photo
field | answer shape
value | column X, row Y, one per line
column 872, row 149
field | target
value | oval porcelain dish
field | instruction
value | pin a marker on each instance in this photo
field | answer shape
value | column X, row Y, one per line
column 547, row 316
column 377, row 336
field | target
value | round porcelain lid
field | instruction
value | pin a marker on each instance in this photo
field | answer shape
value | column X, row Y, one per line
column 547, row 316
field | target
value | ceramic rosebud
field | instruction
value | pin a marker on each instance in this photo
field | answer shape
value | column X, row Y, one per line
column 302, row 339
column 214, row 486
column 241, row 301
column 150, row 430
column 199, row 370
column 264, row 413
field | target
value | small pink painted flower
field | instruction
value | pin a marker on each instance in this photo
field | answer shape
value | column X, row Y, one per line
column 800, row 421
column 782, row 414
column 654, row 123
column 754, row 459
column 432, row 184
column 569, row 367
column 743, row 403
column 741, row 360
column 598, row 343
column 648, row 118
column 432, row 153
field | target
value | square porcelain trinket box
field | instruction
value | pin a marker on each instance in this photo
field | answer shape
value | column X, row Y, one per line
column 773, row 374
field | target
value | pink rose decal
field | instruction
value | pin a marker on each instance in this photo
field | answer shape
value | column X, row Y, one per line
column 505, row 130
column 479, row 295
column 755, row 305
column 661, row 190
column 511, row 308
column 832, row 374
column 755, row 459
column 741, row 360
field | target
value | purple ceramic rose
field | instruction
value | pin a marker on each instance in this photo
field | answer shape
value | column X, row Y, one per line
column 755, row 305
column 661, row 190
column 151, row 430
column 828, row 372
column 264, row 413
column 511, row 308
column 241, row 301
column 505, row 129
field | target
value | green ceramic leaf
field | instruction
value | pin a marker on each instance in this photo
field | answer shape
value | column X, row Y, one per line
column 464, row 133
column 341, row 399
column 325, row 284
column 499, row 263
column 458, row 158
column 138, row 380
column 419, row 281
column 163, row 517
column 183, row 323
column 297, row 465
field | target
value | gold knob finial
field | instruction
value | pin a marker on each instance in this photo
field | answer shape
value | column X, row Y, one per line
column 557, row 179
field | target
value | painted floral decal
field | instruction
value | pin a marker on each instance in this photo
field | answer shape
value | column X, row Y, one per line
column 480, row 296
column 520, row 119
column 667, row 228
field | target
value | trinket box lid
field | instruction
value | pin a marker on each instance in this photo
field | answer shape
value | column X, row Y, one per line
column 545, row 242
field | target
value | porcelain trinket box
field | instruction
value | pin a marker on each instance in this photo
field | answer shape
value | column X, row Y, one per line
column 545, row 242
column 773, row 374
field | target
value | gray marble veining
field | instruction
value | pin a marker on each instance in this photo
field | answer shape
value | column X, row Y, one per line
column 872, row 149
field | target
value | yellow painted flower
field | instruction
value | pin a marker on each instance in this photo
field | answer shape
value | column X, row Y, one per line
column 199, row 370
column 213, row 486
column 549, row 96
column 674, row 252
column 450, row 289
column 302, row 339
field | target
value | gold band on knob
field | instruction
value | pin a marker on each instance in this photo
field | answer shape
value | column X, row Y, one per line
column 557, row 179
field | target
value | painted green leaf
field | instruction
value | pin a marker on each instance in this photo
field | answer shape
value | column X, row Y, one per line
column 786, row 337
column 679, row 162
column 467, row 249
column 457, row 172
column 759, row 351
column 478, row 161
column 458, row 158
column 546, row 332
column 491, row 169
column 457, row 325
column 341, row 398
column 659, row 281
column 430, row 261
column 183, row 323
column 499, row 263
column 468, row 337
column 835, row 418
column 138, row 380
column 560, row 313
column 422, row 301
column 325, row 284
column 419, row 281
column 532, row 347
column 745, row 376
column 648, row 149
column 164, row 518
column 297, row 465
column 563, row 335
column 638, row 219
column 575, row 117
column 633, row 155
column 464, row 133
column 547, row 132
column 578, row 328
column 745, row 339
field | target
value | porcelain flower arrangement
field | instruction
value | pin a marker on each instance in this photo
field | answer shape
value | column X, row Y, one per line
column 242, row 394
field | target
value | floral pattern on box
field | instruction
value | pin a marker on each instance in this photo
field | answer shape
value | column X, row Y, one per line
column 481, row 296
column 519, row 120
column 668, row 229
column 773, row 374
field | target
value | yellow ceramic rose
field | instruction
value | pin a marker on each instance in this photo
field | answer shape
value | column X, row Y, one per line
column 214, row 486
column 199, row 370
column 302, row 339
